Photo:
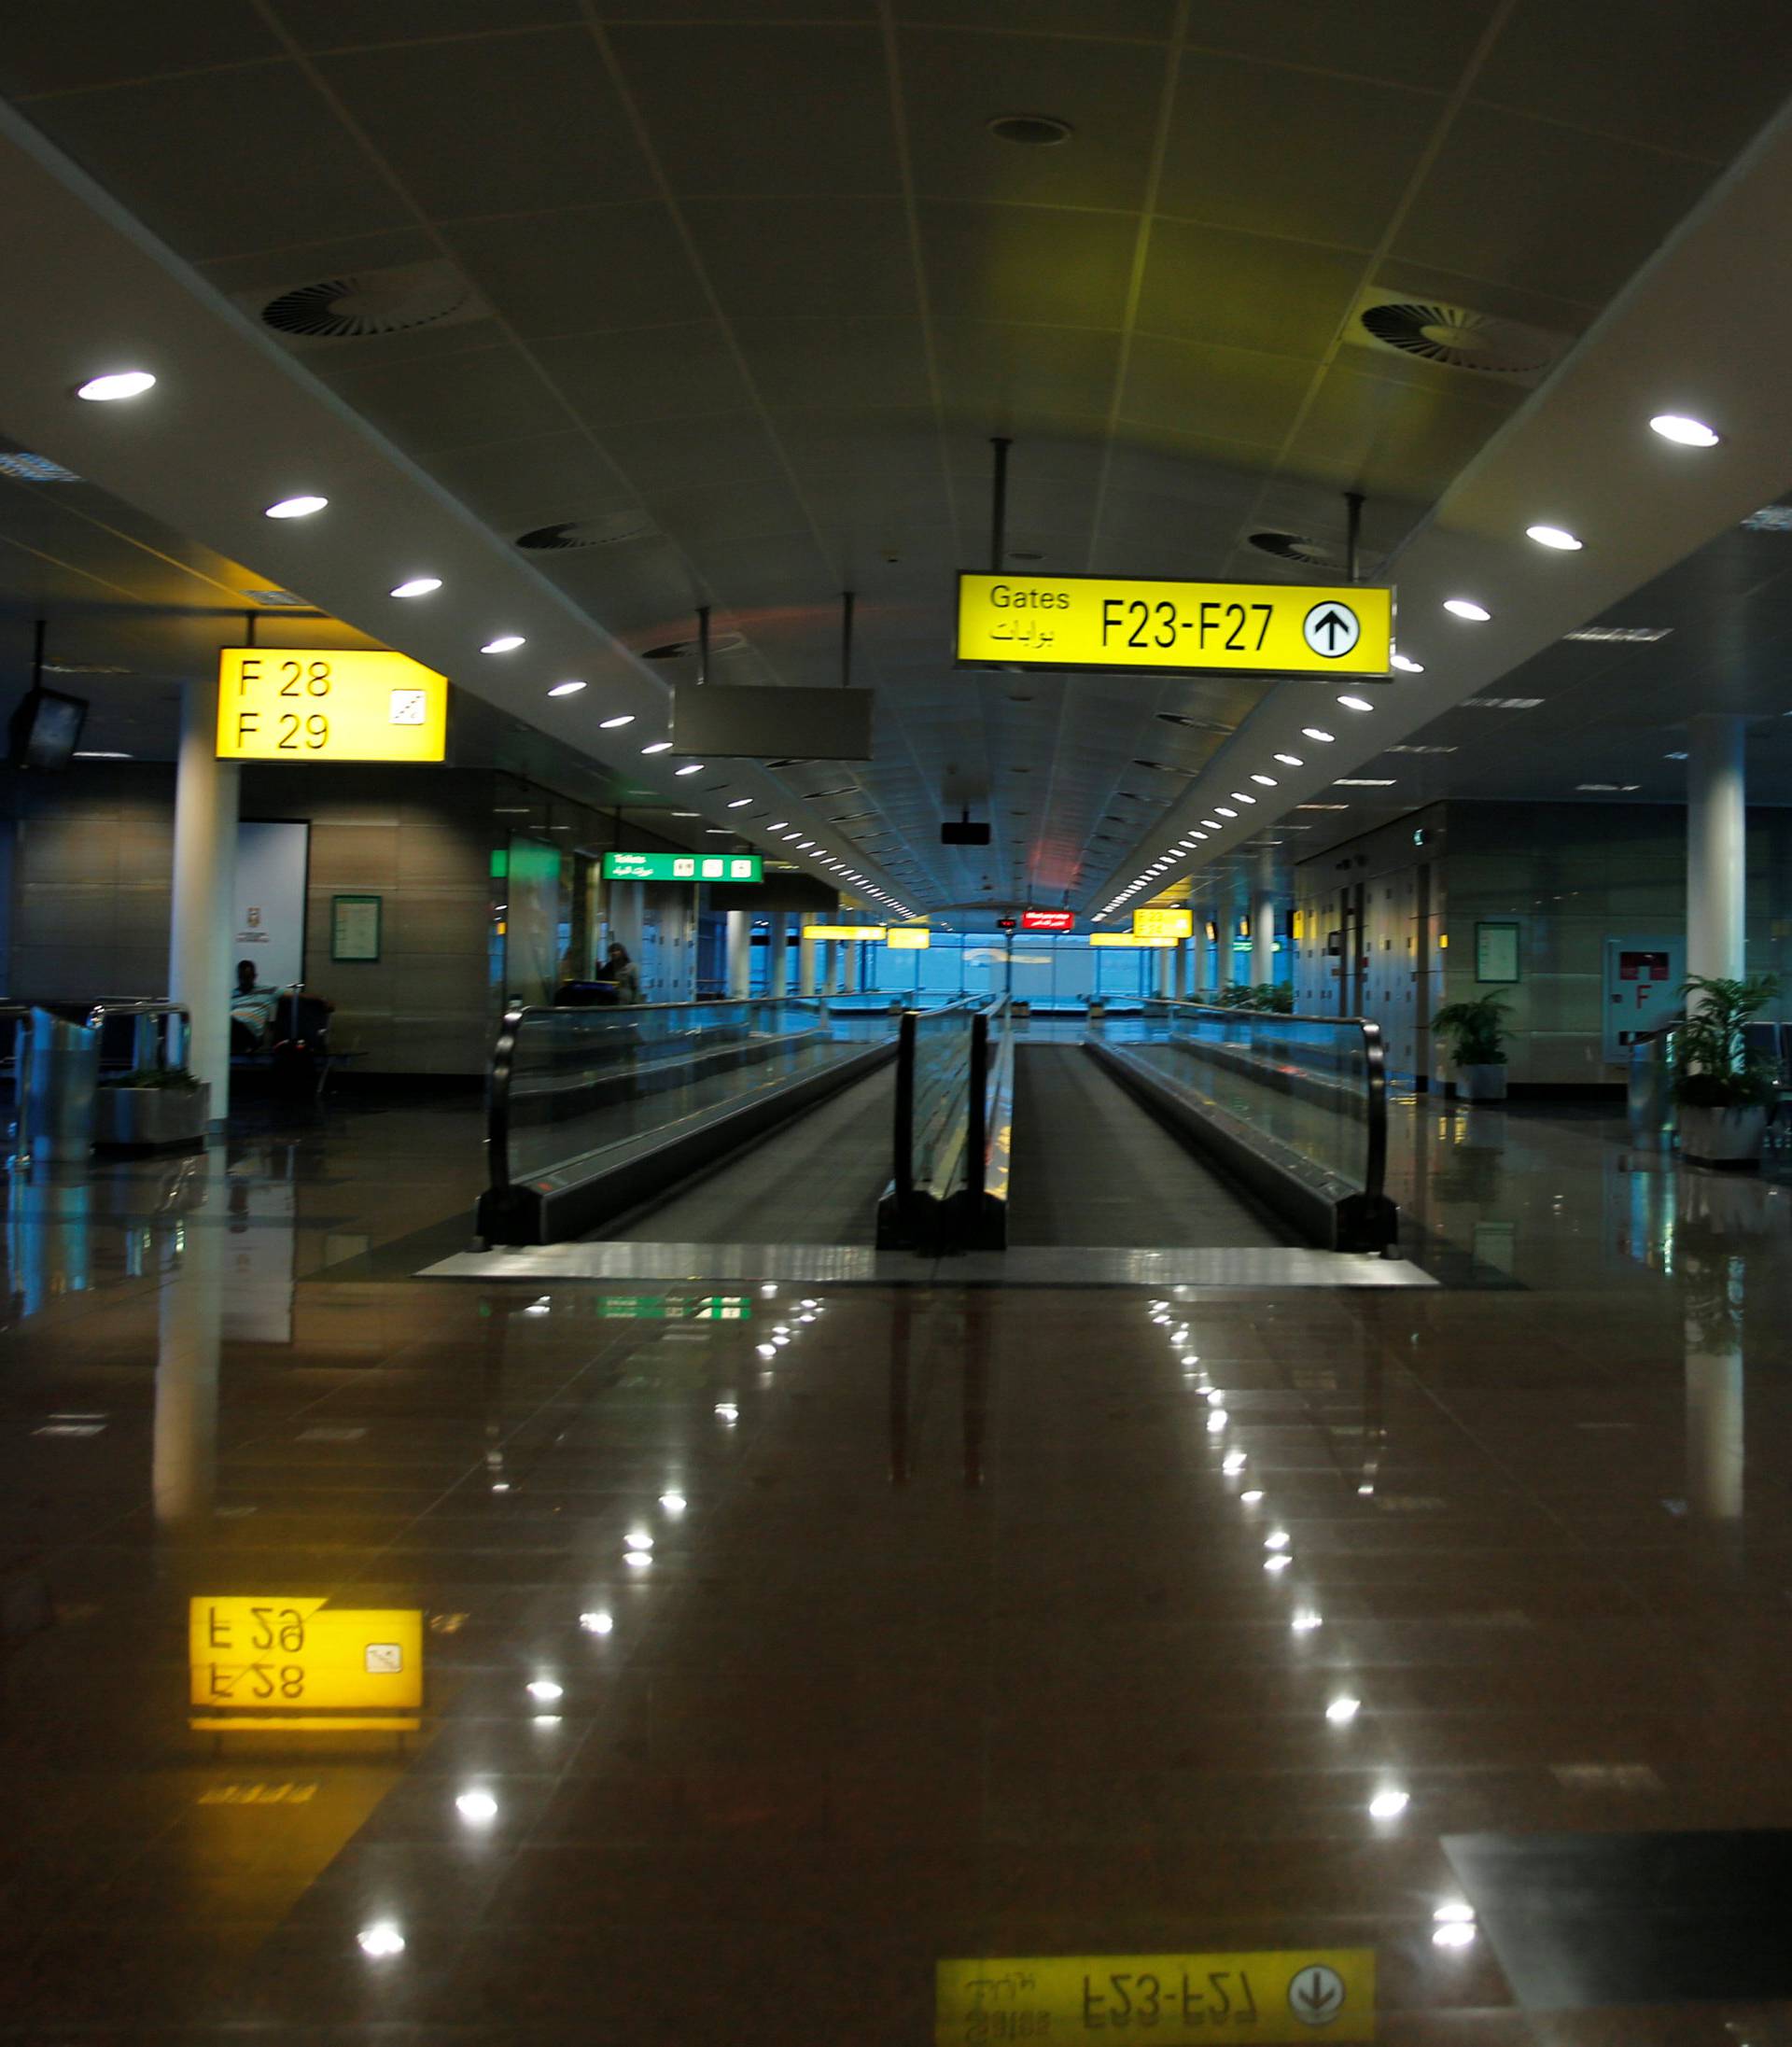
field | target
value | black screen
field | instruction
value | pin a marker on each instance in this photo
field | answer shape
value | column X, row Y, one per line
column 46, row 729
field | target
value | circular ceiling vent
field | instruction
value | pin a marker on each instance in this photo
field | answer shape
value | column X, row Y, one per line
column 1032, row 131
column 375, row 301
column 686, row 649
column 1460, row 338
column 609, row 530
column 1298, row 547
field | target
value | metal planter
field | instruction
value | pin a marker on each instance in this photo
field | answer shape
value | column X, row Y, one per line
column 152, row 1118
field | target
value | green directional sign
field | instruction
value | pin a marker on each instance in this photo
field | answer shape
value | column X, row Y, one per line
column 682, row 867
column 675, row 1308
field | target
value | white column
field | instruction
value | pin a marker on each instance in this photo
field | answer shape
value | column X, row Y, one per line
column 1182, row 968
column 806, row 955
column 1263, row 923
column 1717, row 846
column 835, row 948
column 1161, row 979
column 778, row 939
column 740, row 954
column 1198, row 959
column 200, row 970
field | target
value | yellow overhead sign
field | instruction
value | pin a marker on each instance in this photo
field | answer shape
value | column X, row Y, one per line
column 1306, row 1995
column 326, row 704
column 259, row 1660
column 1163, row 923
column 1117, row 622
column 1126, row 938
column 908, row 938
column 872, row 933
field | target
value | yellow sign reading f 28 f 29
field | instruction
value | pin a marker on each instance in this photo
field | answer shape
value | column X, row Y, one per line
column 329, row 703
column 1224, row 628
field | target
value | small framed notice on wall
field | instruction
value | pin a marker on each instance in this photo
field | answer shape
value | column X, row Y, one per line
column 1496, row 952
column 355, row 927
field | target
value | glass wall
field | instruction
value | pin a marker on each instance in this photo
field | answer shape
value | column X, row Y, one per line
column 1047, row 970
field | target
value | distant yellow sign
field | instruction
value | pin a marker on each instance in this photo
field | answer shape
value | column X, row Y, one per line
column 1163, row 923
column 261, row 1660
column 328, row 704
column 872, row 934
column 1125, row 938
column 908, row 938
column 1116, row 622
column 1306, row 1995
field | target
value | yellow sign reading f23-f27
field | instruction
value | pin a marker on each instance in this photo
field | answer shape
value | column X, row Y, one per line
column 329, row 703
column 1223, row 628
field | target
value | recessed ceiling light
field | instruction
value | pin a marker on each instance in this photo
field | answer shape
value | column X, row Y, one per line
column 1406, row 664
column 565, row 689
column 1312, row 731
column 1290, row 760
column 295, row 508
column 659, row 746
column 613, row 724
column 779, row 826
column 418, row 586
column 1688, row 433
column 740, row 803
column 1268, row 782
column 1223, row 811
column 1239, row 796
column 1628, row 636
column 80, row 754
column 1467, row 608
column 116, row 383
column 1553, row 535
column 1665, row 756
column 694, row 768
column 1356, row 703
column 1364, row 781
column 506, row 643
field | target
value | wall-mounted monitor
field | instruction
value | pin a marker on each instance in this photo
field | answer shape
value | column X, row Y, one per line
column 46, row 730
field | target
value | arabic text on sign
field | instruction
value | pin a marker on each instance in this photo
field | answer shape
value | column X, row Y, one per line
column 1100, row 621
column 682, row 867
column 1163, row 923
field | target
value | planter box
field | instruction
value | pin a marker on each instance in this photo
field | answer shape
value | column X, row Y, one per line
column 148, row 1118
column 1723, row 1137
column 1481, row 1083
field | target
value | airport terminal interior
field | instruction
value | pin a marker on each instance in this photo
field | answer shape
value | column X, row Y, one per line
column 1135, row 1386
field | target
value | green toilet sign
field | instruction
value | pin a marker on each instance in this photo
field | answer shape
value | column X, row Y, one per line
column 682, row 867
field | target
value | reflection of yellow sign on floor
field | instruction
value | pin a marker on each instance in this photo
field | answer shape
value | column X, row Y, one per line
column 266, row 1659
column 1281, row 1996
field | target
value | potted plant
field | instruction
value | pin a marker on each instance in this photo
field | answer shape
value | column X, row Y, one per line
column 1726, row 1087
column 1477, row 1031
column 151, row 1107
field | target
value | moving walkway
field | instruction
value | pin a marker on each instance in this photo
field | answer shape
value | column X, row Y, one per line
column 794, row 1122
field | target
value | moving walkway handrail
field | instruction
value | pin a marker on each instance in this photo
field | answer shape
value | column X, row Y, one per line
column 1374, row 1095
column 902, row 1129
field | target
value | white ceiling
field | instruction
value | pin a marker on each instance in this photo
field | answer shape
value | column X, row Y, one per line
column 759, row 290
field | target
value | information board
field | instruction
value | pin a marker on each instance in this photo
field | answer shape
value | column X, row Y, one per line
column 1163, row 923
column 684, row 867
column 908, row 938
column 259, row 1660
column 1048, row 920
column 297, row 704
column 1126, row 938
column 1227, row 628
column 869, row 934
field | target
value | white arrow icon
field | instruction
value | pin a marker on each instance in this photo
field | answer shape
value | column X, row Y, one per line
column 1316, row 1995
column 1331, row 629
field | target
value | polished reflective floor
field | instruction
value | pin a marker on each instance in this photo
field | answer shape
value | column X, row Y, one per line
column 782, row 1639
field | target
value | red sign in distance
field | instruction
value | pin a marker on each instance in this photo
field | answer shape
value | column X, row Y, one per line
column 1048, row 920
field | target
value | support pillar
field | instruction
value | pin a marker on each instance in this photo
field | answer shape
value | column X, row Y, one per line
column 806, row 961
column 1182, row 968
column 778, row 938
column 1198, row 989
column 1717, row 846
column 1160, row 978
column 1263, row 923
column 740, row 955
column 835, row 948
column 200, row 970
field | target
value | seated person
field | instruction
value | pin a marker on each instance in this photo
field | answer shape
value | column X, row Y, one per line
column 252, row 1008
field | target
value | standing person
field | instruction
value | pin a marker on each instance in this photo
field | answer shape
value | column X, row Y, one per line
column 621, row 970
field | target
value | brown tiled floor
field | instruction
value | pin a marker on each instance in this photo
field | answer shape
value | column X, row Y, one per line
column 964, row 1642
